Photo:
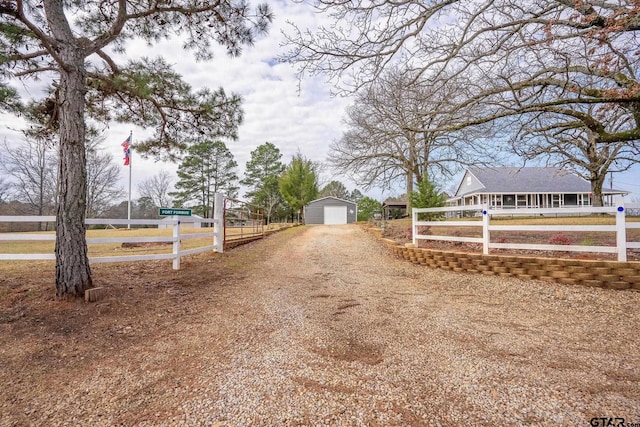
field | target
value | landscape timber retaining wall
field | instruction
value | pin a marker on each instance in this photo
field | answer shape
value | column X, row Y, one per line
column 603, row 274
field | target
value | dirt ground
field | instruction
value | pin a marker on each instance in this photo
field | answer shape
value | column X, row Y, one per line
column 313, row 326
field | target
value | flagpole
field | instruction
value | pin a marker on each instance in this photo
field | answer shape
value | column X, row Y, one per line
column 129, row 202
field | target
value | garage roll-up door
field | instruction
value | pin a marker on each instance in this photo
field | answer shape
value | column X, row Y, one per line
column 335, row 214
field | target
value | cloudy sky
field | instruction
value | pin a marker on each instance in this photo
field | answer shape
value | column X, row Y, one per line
column 303, row 118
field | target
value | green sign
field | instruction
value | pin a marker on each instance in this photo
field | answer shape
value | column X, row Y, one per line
column 175, row 211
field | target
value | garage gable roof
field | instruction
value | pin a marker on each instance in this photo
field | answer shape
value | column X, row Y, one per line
column 334, row 198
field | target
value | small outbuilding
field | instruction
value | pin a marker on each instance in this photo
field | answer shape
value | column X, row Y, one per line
column 330, row 210
column 394, row 208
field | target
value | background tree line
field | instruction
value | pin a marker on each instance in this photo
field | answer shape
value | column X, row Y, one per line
column 279, row 190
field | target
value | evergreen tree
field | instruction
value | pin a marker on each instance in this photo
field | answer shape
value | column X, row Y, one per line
column 145, row 208
column 261, row 177
column 299, row 183
column 355, row 195
column 265, row 162
column 208, row 168
column 335, row 189
column 427, row 196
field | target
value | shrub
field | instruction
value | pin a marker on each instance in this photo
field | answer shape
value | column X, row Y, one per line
column 560, row 239
column 588, row 242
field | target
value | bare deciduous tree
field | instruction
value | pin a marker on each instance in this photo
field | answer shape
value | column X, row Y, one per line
column 157, row 189
column 568, row 144
column 556, row 58
column 102, row 180
column 5, row 187
column 396, row 131
column 31, row 167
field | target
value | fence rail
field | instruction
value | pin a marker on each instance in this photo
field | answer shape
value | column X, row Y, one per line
column 619, row 211
column 176, row 239
column 244, row 219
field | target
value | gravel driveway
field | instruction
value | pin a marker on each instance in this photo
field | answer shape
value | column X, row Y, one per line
column 322, row 326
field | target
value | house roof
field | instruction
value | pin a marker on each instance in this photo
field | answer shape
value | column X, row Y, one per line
column 392, row 201
column 530, row 180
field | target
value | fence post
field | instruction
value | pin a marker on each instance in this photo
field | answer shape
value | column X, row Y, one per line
column 486, row 237
column 414, row 227
column 621, row 229
column 176, row 245
column 218, row 222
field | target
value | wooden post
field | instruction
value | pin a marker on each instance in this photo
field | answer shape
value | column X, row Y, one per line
column 414, row 227
column 621, row 229
column 218, row 222
column 486, row 237
column 176, row 244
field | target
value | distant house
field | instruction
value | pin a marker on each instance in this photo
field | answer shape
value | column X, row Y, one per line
column 527, row 187
column 330, row 210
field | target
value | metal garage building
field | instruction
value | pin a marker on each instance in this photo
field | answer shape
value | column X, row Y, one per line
column 330, row 210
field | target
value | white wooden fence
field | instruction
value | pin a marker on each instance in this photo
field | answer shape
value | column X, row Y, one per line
column 217, row 237
column 619, row 210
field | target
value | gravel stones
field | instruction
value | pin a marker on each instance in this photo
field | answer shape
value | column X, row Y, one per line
column 323, row 327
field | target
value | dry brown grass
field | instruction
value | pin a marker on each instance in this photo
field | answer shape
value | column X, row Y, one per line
column 400, row 231
column 115, row 249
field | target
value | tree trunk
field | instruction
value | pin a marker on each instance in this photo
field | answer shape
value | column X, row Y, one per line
column 409, row 189
column 73, row 274
column 597, row 182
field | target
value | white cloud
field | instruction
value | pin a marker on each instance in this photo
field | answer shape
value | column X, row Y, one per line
column 305, row 120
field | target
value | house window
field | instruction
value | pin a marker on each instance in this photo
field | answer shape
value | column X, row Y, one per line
column 534, row 201
column 571, row 200
column 522, row 200
column 556, row 200
column 468, row 180
column 496, row 201
column 584, row 200
column 509, row 200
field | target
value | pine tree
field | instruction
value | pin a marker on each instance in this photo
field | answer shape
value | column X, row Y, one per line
column 70, row 43
column 208, row 168
column 427, row 196
column 265, row 162
column 261, row 177
column 335, row 189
